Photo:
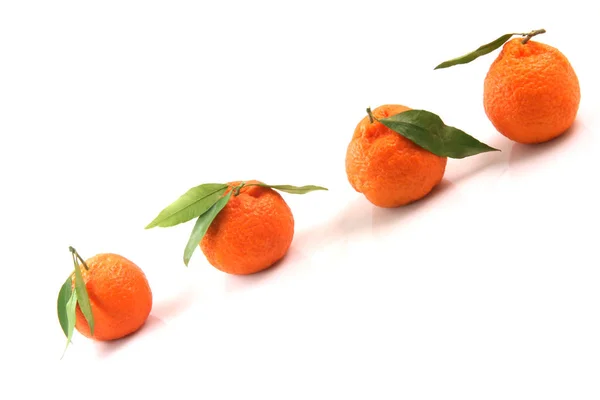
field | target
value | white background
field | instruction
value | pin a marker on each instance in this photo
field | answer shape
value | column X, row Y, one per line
column 487, row 289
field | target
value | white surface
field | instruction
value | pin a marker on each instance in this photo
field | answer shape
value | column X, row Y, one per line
column 487, row 289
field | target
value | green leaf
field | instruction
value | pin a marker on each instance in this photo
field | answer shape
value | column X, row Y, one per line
column 294, row 189
column 193, row 203
column 428, row 131
column 61, row 304
column 485, row 49
column 202, row 225
column 82, row 297
column 71, row 317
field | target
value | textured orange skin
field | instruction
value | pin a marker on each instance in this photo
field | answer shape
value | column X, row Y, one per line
column 120, row 297
column 531, row 93
column 252, row 232
column 390, row 170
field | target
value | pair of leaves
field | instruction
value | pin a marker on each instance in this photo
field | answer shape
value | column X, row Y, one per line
column 428, row 131
column 487, row 48
column 201, row 226
column 204, row 202
column 69, row 298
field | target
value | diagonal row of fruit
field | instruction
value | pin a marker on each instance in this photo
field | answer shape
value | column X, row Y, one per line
column 396, row 156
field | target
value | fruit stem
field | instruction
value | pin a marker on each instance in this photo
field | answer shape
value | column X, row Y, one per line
column 531, row 34
column 76, row 254
column 238, row 188
column 371, row 117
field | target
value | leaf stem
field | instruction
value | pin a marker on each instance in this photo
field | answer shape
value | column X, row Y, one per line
column 76, row 255
column 531, row 34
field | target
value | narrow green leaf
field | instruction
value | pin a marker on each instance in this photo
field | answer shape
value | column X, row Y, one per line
column 71, row 317
column 485, row 49
column 294, row 189
column 201, row 226
column 61, row 304
column 428, row 131
column 82, row 297
column 193, row 203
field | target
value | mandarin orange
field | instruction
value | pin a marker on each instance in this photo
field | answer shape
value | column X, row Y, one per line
column 531, row 92
column 120, row 297
column 390, row 170
column 252, row 232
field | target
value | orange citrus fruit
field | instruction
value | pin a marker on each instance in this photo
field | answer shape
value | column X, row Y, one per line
column 531, row 92
column 390, row 170
column 120, row 297
column 252, row 232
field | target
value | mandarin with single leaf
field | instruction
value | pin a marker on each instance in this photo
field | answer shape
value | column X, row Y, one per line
column 531, row 92
column 389, row 169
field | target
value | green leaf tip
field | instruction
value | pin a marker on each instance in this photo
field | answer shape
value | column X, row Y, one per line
column 294, row 189
column 428, row 131
column 488, row 48
column 70, row 311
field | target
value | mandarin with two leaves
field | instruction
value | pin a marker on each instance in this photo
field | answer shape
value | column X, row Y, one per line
column 119, row 294
column 251, row 233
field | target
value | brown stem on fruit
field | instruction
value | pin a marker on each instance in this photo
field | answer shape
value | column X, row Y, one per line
column 371, row 117
column 76, row 255
column 531, row 34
